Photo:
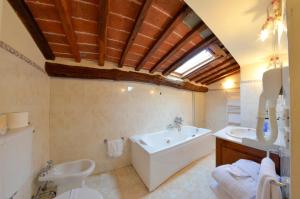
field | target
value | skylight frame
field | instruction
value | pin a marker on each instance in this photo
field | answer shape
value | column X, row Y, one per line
column 208, row 56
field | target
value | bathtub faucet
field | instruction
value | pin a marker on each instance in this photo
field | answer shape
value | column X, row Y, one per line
column 177, row 124
column 178, row 121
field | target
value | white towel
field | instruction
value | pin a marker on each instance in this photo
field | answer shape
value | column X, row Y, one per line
column 236, row 187
column 237, row 172
column 115, row 148
column 246, row 168
column 267, row 174
column 219, row 192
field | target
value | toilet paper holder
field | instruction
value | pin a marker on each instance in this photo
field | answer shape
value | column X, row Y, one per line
column 105, row 140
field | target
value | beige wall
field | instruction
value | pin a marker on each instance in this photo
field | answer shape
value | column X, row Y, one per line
column 199, row 109
column 13, row 32
column 85, row 112
column 216, row 99
column 250, row 92
column 24, row 87
column 215, row 110
column 294, row 58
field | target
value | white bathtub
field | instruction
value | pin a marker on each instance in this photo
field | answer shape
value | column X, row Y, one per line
column 157, row 156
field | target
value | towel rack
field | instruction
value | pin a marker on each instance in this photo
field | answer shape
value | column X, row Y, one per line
column 277, row 183
column 105, row 140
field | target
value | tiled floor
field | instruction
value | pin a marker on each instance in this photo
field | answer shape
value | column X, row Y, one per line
column 190, row 183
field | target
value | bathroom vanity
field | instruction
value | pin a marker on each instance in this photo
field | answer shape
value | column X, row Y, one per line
column 230, row 149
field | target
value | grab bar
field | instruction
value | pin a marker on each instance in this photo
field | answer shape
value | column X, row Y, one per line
column 143, row 142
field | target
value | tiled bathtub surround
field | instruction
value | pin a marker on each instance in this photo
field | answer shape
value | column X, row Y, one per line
column 25, row 88
column 85, row 112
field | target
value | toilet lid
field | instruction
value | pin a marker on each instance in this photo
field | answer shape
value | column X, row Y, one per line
column 80, row 193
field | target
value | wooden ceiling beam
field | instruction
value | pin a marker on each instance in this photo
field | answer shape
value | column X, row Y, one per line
column 163, row 36
column 224, row 76
column 138, row 23
column 198, row 28
column 207, row 70
column 214, row 72
column 191, row 53
column 220, row 73
column 103, row 20
column 31, row 25
column 217, row 50
column 197, row 71
column 64, row 12
column 61, row 70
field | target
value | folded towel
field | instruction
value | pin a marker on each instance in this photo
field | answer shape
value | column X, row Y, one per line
column 246, row 168
column 115, row 148
column 235, row 187
column 265, row 190
column 219, row 192
column 237, row 172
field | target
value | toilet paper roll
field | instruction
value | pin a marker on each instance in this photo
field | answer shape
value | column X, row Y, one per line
column 17, row 120
column 3, row 124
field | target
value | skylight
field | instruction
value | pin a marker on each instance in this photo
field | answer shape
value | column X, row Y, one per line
column 195, row 62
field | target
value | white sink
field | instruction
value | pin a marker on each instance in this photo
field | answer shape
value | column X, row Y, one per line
column 69, row 173
column 242, row 133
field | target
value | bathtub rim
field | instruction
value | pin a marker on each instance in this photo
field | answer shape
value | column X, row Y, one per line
column 151, row 151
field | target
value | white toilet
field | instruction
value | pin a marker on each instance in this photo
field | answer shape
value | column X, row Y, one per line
column 80, row 193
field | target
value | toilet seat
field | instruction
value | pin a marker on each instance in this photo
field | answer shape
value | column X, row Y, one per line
column 80, row 193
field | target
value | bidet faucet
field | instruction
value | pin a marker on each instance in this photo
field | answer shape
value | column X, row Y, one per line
column 45, row 170
column 49, row 165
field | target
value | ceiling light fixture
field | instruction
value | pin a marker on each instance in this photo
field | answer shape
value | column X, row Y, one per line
column 276, row 21
column 264, row 34
column 129, row 88
column 274, row 26
column 228, row 84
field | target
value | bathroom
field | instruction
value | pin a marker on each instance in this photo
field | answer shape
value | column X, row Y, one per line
column 74, row 101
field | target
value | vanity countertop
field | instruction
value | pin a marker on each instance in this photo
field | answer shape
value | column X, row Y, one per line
column 251, row 142
column 223, row 134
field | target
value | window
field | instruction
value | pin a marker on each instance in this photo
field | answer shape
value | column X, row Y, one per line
column 174, row 78
column 194, row 63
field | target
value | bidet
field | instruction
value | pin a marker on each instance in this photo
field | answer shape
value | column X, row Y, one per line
column 70, row 174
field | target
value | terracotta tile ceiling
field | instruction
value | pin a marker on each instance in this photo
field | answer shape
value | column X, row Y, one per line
column 154, row 35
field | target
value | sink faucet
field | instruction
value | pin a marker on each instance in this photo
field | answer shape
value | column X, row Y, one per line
column 176, row 124
column 45, row 170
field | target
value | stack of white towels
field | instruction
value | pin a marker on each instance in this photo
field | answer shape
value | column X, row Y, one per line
column 246, row 179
